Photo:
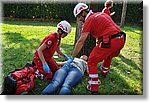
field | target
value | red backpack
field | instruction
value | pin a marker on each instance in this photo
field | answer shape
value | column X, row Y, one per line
column 19, row 81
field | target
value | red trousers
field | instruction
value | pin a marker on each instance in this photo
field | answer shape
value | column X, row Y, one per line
column 99, row 54
column 51, row 63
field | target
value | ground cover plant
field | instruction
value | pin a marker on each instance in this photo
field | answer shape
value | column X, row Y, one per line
column 21, row 38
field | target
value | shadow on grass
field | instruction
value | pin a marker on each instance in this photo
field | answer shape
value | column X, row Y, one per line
column 120, row 79
column 18, row 51
column 34, row 23
column 113, row 84
column 132, row 28
column 16, row 56
column 131, row 63
column 30, row 23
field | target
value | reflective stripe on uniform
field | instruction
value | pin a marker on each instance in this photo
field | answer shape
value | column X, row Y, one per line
column 93, row 75
column 106, row 68
column 93, row 82
column 105, row 71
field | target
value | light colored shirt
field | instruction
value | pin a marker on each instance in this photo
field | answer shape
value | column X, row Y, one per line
column 80, row 64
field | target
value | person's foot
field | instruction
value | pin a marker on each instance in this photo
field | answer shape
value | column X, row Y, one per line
column 104, row 73
column 93, row 92
column 93, row 88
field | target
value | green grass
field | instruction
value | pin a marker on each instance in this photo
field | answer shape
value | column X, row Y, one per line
column 21, row 38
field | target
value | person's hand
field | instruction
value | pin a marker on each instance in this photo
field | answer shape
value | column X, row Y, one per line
column 70, row 60
column 67, row 57
column 67, row 65
column 46, row 68
column 113, row 13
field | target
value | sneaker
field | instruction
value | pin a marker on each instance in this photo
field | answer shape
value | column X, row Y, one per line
column 93, row 92
column 93, row 87
column 104, row 71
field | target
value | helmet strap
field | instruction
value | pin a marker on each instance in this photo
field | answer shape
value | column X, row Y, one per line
column 57, row 34
column 59, row 37
column 87, row 11
column 84, row 17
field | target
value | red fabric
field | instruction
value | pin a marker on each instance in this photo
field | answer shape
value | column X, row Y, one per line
column 51, row 63
column 93, row 87
column 99, row 54
column 52, row 42
column 106, row 10
column 24, row 78
column 107, row 62
column 20, row 73
column 26, row 87
column 100, row 24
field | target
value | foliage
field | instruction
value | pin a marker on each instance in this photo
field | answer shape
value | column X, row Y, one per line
column 132, row 10
column 51, row 11
column 21, row 38
column 43, row 11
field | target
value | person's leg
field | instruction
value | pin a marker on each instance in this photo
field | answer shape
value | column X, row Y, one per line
column 73, row 78
column 96, row 56
column 57, row 81
column 53, row 65
column 99, row 54
column 53, row 68
column 116, row 45
column 104, row 68
column 38, row 66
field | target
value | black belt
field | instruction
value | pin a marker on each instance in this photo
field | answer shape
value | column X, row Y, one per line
column 117, row 35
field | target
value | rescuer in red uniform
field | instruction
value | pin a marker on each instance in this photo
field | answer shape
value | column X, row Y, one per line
column 111, row 41
column 43, row 56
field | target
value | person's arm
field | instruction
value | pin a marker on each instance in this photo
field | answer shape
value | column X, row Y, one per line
column 80, row 43
column 46, row 68
column 61, row 63
column 40, row 52
column 112, row 13
column 59, row 52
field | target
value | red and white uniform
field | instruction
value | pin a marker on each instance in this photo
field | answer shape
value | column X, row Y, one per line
column 52, row 42
column 100, row 24
column 106, row 10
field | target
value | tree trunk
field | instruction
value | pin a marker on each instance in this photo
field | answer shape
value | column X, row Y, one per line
column 124, row 9
column 94, row 7
column 89, row 43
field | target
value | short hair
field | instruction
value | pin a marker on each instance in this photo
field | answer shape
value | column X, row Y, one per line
column 108, row 3
column 85, row 57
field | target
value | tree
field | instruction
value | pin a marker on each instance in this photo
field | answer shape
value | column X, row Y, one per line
column 124, row 9
column 90, row 41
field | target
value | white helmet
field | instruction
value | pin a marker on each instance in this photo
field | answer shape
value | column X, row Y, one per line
column 78, row 8
column 64, row 26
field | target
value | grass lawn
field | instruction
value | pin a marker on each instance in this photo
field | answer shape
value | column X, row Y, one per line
column 21, row 38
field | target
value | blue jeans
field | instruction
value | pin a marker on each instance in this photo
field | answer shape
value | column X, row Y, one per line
column 64, row 78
